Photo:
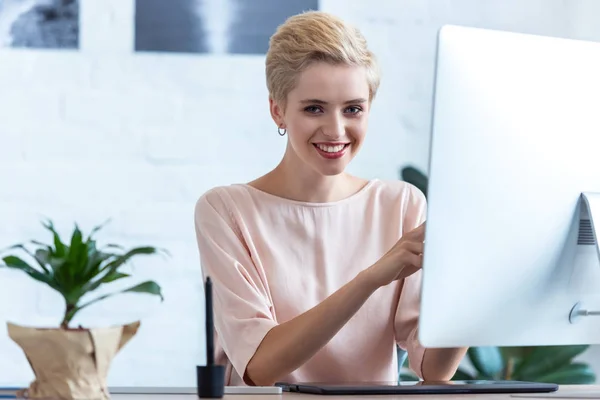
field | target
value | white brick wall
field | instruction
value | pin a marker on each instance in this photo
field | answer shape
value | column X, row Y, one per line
column 105, row 132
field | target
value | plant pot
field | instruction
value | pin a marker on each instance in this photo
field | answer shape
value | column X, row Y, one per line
column 70, row 364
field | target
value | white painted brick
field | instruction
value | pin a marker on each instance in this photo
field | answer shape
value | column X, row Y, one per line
column 168, row 221
column 79, row 143
column 252, row 109
column 175, row 367
column 26, row 71
column 11, row 147
column 107, row 108
column 205, row 145
column 19, row 221
column 188, row 75
column 106, row 26
column 77, row 186
column 18, row 107
column 21, row 299
column 177, row 145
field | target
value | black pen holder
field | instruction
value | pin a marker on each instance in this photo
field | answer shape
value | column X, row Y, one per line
column 210, row 381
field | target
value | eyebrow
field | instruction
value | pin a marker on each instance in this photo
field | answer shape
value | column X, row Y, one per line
column 317, row 101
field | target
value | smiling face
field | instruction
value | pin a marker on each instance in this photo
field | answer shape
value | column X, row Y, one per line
column 325, row 117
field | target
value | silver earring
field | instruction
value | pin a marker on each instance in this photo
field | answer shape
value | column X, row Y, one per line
column 280, row 132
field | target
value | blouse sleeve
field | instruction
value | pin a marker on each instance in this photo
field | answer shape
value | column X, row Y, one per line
column 242, row 309
column 406, row 323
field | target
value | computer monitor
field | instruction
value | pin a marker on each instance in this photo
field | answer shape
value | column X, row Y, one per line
column 511, row 257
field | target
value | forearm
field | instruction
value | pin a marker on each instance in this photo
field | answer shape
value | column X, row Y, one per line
column 441, row 364
column 290, row 344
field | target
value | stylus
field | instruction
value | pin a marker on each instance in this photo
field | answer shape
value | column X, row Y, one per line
column 253, row 390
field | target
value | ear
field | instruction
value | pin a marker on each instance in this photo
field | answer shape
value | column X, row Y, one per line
column 277, row 113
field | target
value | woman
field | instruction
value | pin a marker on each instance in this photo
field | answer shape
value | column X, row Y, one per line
column 317, row 272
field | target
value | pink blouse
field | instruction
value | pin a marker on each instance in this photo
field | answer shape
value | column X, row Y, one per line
column 271, row 259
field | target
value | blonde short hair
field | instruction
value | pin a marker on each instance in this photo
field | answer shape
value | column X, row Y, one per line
column 315, row 36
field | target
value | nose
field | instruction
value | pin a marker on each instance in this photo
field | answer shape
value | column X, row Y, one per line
column 335, row 128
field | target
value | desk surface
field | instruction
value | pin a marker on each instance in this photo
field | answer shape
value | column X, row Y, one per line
column 564, row 392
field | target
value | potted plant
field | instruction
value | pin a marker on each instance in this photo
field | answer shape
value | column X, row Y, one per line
column 551, row 364
column 73, row 362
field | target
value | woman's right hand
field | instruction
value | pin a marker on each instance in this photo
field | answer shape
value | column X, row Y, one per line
column 402, row 260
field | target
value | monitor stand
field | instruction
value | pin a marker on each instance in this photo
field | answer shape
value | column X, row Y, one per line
column 591, row 201
column 590, row 235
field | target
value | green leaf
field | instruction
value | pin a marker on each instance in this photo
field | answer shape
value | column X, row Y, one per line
column 546, row 359
column 462, row 375
column 96, row 229
column 59, row 246
column 94, row 262
column 57, row 265
column 119, row 261
column 571, row 374
column 77, row 255
column 43, row 255
column 114, row 276
column 41, row 262
column 108, row 270
column 415, row 177
column 517, row 353
column 113, row 245
column 487, row 361
column 41, row 244
column 149, row 287
column 17, row 263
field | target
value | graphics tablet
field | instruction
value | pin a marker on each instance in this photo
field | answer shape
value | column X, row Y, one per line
column 418, row 387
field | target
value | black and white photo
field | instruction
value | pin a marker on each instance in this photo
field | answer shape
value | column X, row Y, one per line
column 212, row 26
column 44, row 24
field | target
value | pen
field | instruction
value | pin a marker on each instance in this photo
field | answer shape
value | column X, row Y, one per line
column 210, row 378
column 210, row 351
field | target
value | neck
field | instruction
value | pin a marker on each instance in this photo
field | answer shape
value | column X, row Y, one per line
column 294, row 180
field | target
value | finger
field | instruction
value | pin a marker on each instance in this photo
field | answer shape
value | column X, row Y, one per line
column 418, row 232
column 413, row 261
column 413, row 246
column 409, row 270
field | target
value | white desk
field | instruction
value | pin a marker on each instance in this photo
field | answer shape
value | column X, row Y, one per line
column 565, row 392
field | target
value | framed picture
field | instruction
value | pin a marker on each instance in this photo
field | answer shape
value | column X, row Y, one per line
column 50, row 24
column 212, row 26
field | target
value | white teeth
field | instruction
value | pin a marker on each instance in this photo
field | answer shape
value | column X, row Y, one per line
column 331, row 149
